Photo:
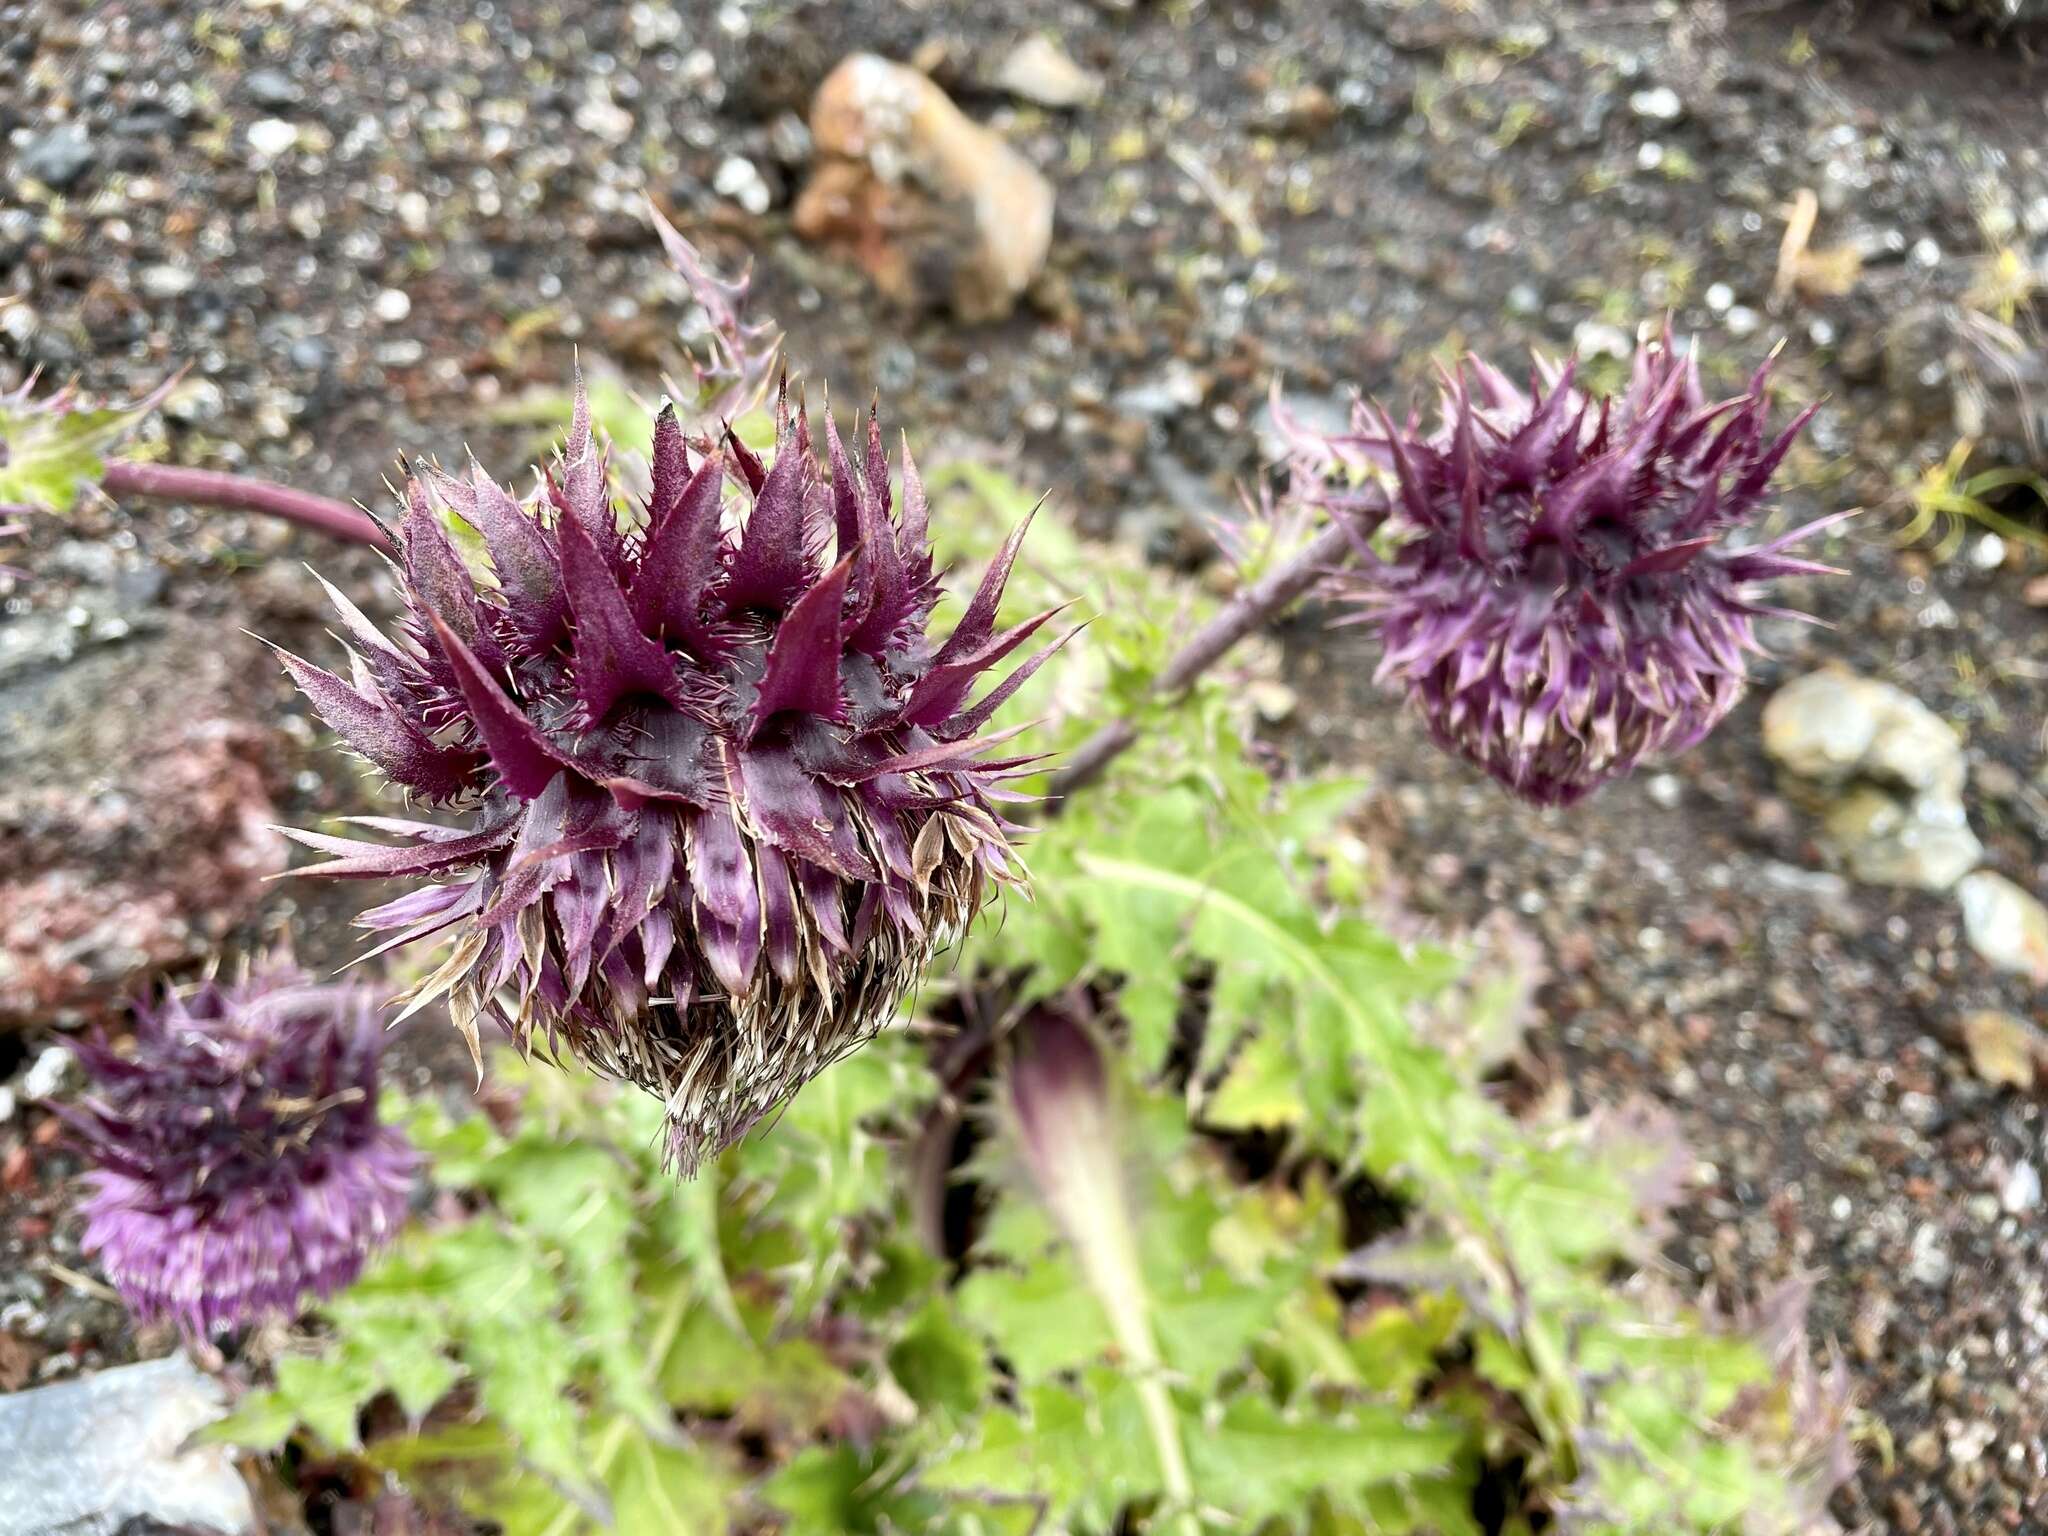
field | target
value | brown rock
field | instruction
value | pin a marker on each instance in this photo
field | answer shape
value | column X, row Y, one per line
column 2004, row 1049
column 934, row 206
column 134, row 811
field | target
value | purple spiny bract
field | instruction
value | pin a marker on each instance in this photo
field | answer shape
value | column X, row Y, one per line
column 238, row 1166
column 725, row 797
column 1562, row 601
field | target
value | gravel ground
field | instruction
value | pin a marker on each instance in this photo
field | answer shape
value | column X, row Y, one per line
column 368, row 226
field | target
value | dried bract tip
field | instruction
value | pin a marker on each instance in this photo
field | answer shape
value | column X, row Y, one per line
column 238, row 1168
column 1563, row 600
column 744, row 353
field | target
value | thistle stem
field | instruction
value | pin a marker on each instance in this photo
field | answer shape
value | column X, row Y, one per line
column 1256, row 605
column 243, row 493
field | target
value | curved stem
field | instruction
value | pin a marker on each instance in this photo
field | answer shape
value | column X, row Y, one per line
column 1254, row 606
column 242, row 493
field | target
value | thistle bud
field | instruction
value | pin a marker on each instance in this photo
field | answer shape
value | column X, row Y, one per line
column 238, row 1167
column 724, row 795
column 1564, row 599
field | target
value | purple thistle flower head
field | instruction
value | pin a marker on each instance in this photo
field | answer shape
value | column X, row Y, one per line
column 725, row 793
column 1564, row 599
column 238, row 1164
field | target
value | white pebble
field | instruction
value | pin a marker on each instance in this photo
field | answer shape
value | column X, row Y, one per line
column 1596, row 338
column 273, row 136
column 414, row 212
column 1719, row 297
column 1927, row 1260
column 46, row 1075
column 1660, row 104
column 738, row 179
column 1989, row 554
column 165, row 281
column 392, row 305
column 2021, row 1191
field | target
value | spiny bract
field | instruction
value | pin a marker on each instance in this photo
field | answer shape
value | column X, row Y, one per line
column 1562, row 602
column 726, row 798
column 238, row 1167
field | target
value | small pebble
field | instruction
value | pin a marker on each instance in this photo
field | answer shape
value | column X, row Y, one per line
column 2021, row 1190
column 165, row 281
column 47, row 1074
column 273, row 136
column 272, row 88
column 739, row 180
column 1659, row 104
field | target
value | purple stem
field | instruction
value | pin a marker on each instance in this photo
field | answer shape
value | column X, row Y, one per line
column 221, row 488
column 1255, row 606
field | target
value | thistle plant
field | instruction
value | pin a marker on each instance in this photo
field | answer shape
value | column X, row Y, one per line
column 1563, row 598
column 238, row 1165
column 725, row 795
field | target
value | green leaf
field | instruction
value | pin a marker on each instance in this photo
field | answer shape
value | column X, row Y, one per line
column 940, row 1363
column 820, row 1166
column 684, row 1223
column 842, row 1491
column 261, row 1421
column 327, row 1392
column 577, row 1200
column 1395, row 1347
column 1257, row 1461
column 1261, row 1087
column 663, row 1487
column 1042, row 1319
column 1086, row 1451
column 504, row 1303
column 788, row 1382
column 53, row 453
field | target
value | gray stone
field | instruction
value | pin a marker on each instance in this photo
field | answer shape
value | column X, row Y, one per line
column 1324, row 415
column 86, row 1457
column 1899, row 818
column 59, row 157
column 1924, row 844
column 1832, row 725
column 272, row 88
